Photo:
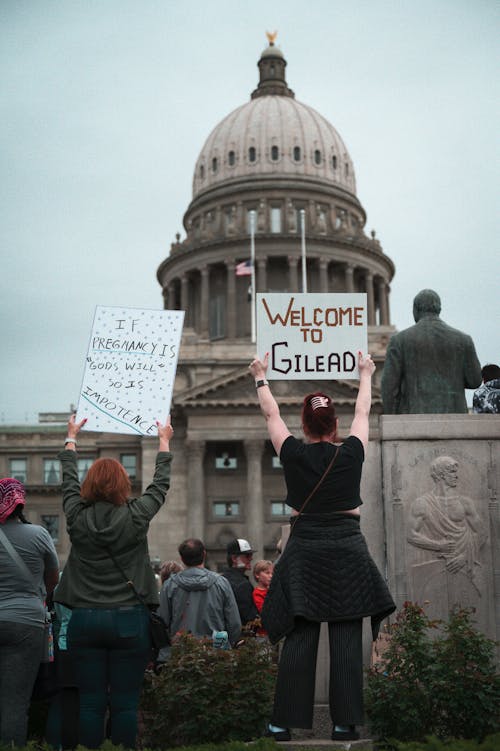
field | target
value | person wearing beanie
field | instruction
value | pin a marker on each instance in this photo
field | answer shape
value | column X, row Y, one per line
column 29, row 572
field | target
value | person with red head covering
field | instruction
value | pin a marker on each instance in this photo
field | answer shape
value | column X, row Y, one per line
column 29, row 571
column 325, row 573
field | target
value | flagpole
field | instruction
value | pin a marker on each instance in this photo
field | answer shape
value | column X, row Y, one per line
column 303, row 234
column 252, row 259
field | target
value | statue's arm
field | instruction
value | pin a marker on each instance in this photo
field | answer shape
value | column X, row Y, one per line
column 391, row 378
column 474, row 520
column 418, row 514
column 472, row 366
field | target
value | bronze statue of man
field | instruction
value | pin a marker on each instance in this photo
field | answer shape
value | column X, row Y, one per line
column 428, row 365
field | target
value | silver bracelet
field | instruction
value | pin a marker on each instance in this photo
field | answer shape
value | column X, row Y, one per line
column 70, row 440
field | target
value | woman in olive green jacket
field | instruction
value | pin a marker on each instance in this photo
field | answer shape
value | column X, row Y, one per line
column 108, row 634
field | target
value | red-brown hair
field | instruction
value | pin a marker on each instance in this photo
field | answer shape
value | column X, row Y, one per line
column 321, row 421
column 107, row 481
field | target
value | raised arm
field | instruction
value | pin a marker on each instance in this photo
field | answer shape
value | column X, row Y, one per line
column 278, row 431
column 359, row 426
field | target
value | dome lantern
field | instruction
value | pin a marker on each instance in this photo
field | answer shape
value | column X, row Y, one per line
column 272, row 66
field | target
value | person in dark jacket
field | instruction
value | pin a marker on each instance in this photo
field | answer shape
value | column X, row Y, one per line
column 109, row 631
column 196, row 600
column 325, row 573
column 239, row 561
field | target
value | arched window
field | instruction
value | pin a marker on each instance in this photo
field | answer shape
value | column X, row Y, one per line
column 214, row 164
column 231, row 158
column 317, row 156
column 296, row 153
column 275, row 153
column 252, row 154
column 347, row 169
column 334, row 162
column 202, row 171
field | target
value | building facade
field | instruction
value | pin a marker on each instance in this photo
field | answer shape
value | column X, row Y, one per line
column 282, row 160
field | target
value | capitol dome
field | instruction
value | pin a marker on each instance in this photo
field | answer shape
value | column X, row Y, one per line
column 272, row 177
column 273, row 136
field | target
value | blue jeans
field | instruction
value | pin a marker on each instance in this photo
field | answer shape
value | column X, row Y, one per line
column 110, row 649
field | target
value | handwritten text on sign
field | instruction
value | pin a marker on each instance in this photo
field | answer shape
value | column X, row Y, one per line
column 312, row 335
column 130, row 369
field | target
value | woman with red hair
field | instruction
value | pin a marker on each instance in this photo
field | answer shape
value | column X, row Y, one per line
column 108, row 634
column 325, row 573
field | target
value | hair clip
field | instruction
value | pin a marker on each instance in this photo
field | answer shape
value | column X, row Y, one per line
column 320, row 401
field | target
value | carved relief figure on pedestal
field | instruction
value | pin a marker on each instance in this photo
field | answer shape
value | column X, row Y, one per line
column 447, row 532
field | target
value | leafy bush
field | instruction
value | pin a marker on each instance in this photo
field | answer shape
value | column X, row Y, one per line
column 466, row 688
column 446, row 686
column 205, row 695
column 264, row 744
column 490, row 743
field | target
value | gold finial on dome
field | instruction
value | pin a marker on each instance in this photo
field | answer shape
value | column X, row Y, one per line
column 271, row 37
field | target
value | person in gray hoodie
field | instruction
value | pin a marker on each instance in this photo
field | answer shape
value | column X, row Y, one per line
column 196, row 600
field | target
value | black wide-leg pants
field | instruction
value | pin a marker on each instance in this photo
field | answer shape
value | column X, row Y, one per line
column 294, row 696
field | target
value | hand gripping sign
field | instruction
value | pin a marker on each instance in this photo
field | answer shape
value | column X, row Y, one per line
column 130, row 369
column 311, row 335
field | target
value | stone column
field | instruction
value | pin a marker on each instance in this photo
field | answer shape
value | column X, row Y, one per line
column 196, row 504
column 323, row 275
column 349, row 278
column 204, row 312
column 254, row 506
column 382, row 301
column 231, row 299
column 184, row 296
column 165, row 298
column 261, row 275
column 171, row 295
column 292, row 274
column 370, row 298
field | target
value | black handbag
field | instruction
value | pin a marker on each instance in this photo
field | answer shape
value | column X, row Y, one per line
column 159, row 632
column 160, row 636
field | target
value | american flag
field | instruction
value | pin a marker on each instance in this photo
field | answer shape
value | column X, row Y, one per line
column 243, row 269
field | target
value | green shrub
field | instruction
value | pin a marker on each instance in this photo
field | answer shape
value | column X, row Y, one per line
column 205, row 695
column 490, row 743
column 444, row 687
column 397, row 697
column 264, row 744
column 466, row 689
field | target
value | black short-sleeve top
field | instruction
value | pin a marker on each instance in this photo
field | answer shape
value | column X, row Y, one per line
column 304, row 464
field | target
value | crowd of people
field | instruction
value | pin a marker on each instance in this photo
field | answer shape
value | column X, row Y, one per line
column 107, row 590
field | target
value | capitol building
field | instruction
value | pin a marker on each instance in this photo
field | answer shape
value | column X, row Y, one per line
column 279, row 161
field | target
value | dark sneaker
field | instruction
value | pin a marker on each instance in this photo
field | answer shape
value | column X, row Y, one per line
column 346, row 735
column 279, row 735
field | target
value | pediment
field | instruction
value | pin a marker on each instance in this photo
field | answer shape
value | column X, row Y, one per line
column 237, row 389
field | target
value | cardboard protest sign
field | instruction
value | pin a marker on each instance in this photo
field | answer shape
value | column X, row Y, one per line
column 130, row 369
column 312, row 335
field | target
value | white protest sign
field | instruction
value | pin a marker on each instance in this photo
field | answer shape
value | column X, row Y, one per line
column 130, row 369
column 311, row 335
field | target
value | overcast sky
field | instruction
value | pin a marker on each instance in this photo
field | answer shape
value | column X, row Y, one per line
column 106, row 104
